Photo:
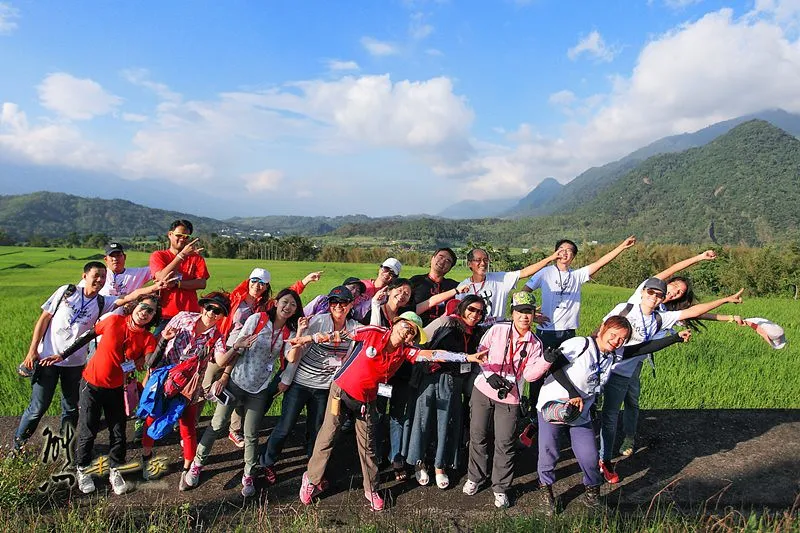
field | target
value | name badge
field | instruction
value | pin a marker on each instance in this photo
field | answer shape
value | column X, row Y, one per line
column 384, row 390
column 333, row 362
column 128, row 366
column 466, row 368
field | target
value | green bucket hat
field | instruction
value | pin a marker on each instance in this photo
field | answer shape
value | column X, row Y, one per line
column 415, row 320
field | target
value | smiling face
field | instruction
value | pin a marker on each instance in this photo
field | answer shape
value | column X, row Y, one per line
column 611, row 337
column 144, row 311
column 441, row 263
column 400, row 296
column 385, row 275
column 94, row 280
column 179, row 237
column 286, row 306
column 566, row 254
column 116, row 262
column 479, row 264
column 473, row 314
column 675, row 289
column 651, row 298
column 405, row 331
column 339, row 309
column 522, row 321
column 256, row 287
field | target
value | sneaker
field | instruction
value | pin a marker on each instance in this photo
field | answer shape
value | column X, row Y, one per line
column 308, row 490
column 248, row 489
column 470, row 488
column 118, row 484
column 19, row 446
column 85, row 481
column 182, row 486
column 270, row 476
column 591, row 498
column 138, row 430
column 501, row 500
column 375, row 500
column 608, row 472
column 237, row 438
column 626, row 450
column 548, row 500
column 192, row 476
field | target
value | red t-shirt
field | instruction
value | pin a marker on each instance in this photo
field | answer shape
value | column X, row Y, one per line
column 175, row 300
column 368, row 364
column 105, row 367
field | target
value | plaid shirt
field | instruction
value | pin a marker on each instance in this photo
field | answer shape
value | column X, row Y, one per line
column 185, row 343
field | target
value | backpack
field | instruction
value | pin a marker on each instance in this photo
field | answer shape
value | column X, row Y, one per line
column 184, row 377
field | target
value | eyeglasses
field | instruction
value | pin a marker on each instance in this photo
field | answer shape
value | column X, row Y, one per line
column 389, row 271
column 182, row 235
column 147, row 309
column 338, row 303
column 653, row 292
column 483, row 260
column 258, row 280
column 213, row 309
column 472, row 309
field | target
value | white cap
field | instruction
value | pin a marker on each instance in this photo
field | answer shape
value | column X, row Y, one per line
column 393, row 264
column 775, row 334
column 260, row 273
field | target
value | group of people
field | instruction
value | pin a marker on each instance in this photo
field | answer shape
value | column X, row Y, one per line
column 418, row 366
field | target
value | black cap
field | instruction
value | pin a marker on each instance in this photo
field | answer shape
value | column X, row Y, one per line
column 355, row 281
column 341, row 293
column 114, row 247
column 656, row 284
column 219, row 300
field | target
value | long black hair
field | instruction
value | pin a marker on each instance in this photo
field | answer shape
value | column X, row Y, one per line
column 291, row 322
column 686, row 300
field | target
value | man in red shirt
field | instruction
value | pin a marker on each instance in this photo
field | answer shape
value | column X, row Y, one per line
column 377, row 354
column 181, row 260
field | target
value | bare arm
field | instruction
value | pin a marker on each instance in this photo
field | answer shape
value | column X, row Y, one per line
column 530, row 270
column 722, row 318
column 708, row 255
column 699, row 309
column 38, row 333
column 169, row 269
column 610, row 256
column 436, row 299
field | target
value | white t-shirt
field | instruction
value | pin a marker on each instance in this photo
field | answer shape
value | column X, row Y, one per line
column 561, row 295
column 494, row 290
column 589, row 370
column 645, row 328
column 75, row 316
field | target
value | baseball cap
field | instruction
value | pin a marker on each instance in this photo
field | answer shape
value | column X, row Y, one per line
column 560, row 412
column 414, row 319
column 114, row 247
column 217, row 299
column 393, row 264
column 523, row 302
column 261, row 273
column 656, row 284
column 341, row 293
column 355, row 281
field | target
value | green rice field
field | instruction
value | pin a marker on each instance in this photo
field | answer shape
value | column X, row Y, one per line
column 725, row 366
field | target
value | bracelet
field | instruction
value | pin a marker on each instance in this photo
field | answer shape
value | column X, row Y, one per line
column 226, row 374
column 179, row 284
column 731, row 318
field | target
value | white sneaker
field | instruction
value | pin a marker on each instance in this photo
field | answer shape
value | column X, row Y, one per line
column 501, row 500
column 192, row 476
column 247, row 486
column 470, row 488
column 118, row 484
column 85, row 481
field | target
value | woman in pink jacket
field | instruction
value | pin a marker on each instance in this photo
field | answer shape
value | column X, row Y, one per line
column 515, row 355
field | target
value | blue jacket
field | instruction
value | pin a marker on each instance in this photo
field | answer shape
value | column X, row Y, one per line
column 164, row 411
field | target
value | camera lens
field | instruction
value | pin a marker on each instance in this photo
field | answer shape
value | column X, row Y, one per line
column 501, row 394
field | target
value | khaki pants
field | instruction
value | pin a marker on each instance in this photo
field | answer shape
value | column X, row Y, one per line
column 213, row 373
column 366, row 424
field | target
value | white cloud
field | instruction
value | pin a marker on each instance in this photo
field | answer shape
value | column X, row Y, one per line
column 266, row 180
column 593, row 46
column 562, row 98
column 680, row 4
column 418, row 28
column 134, row 117
column 76, row 98
column 339, row 65
column 8, row 16
column 141, row 77
column 379, row 48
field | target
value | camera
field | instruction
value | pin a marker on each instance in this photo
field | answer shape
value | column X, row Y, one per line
column 501, row 385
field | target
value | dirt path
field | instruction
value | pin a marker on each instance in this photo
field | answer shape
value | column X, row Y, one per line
column 740, row 458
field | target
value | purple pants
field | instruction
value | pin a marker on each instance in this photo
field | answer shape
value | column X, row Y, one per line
column 583, row 445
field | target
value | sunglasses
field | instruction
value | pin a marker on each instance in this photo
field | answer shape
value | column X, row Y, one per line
column 213, row 309
column 472, row 309
column 258, row 280
column 147, row 309
column 182, row 235
column 338, row 303
column 407, row 330
column 653, row 292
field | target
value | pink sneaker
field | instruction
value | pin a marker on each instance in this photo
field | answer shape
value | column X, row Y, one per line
column 308, row 490
column 375, row 500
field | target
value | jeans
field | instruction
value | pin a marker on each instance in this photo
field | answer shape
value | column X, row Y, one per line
column 400, row 415
column 95, row 401
column 619, row 390
column 439, row 396
column 254, row 409
column 43, row 389
column 294, row 399
column 583, row 445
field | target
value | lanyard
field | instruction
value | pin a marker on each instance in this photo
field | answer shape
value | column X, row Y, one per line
column 77, row 315
column 644, row 324
column 510, row 348
column 472, row 286
column 598, row 371
column 564, row 284
column 273, row 338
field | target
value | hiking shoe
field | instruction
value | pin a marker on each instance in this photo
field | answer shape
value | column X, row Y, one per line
column 375, row 501
column 626, row 450
column 182, row 486
column 192, row 476
column 248, row 489
column 138, row 430
column 237, row 438
column 548, row 500
column 85, row 481
column 501, row 500
column 118, row 484
column 608, row 472
column 308, row 490
column 591, row 498
column 470, row 488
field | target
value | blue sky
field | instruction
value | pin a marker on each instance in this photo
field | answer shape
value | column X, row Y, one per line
column 382, row 108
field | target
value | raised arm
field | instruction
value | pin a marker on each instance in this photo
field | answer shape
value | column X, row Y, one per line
column 722, row 318
column 442, row 356
column 436, row 299
column 610, row 256
column 699, row 309
column 708, row 255
column 143, row 291
column 530, row 270
column 655, row 345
